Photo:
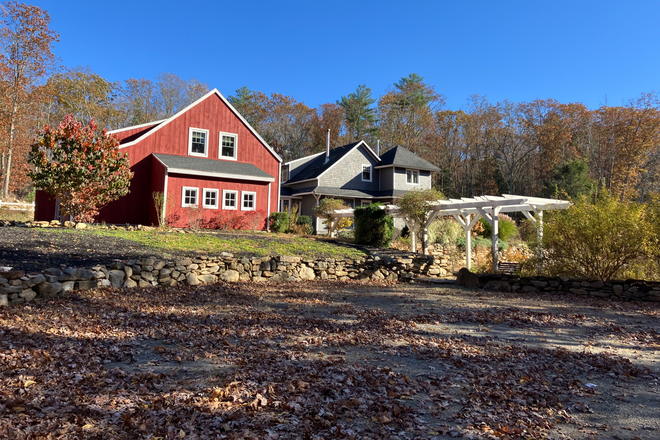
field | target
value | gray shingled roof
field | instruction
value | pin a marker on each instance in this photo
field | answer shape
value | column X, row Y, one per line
column 316, row 166
column 200, row 164
column 401, row 157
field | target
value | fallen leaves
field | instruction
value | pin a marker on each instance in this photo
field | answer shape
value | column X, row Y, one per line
column 282, row 361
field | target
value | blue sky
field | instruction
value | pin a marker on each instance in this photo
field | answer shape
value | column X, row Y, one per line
column 594, row 52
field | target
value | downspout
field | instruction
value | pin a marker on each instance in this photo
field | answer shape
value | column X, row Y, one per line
column 267, row 222
column 279, row 190
column 165, row 199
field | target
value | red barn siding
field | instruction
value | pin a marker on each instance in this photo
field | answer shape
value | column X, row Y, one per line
column 175, row 184
column 44, row 206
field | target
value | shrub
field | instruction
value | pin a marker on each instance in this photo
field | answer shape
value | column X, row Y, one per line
column 445, row 230
column 482, row 242
column 279, row 221
column 195, row 216
column 598, row 239
column 255, row 219
column 326, row 210
column 305, row 220
column 373, row 226
column 507, row 229
column 227, row 219
column 80, row 165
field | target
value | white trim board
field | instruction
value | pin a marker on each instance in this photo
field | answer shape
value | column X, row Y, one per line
column 219, row 175
column 133, row 127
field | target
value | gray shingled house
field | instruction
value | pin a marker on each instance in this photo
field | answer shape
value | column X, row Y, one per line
column 353, row 173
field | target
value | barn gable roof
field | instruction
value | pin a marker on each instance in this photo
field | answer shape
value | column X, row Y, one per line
column 164, row 122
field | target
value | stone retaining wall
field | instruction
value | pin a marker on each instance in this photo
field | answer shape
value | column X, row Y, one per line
column 17, row 287
column 620, row 290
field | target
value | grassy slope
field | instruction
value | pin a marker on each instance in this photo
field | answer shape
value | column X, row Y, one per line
column 258, row 244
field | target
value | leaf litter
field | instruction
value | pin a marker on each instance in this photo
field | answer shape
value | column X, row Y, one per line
column 325, row 360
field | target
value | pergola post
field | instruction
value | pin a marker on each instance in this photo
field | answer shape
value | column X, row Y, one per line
column 493, row 219
column 537, row 221
column 430, row 216
column 467, row 221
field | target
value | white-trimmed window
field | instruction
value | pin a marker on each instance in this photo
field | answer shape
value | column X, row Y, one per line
column 366, row 173
column 229, row 199
column 412, row 177
column 198, row 142
column 248, row 201
column 228, row 145
column 285, row 173
column 365, row 202
column 210, row 200
column 189, row 196
column 285, row 205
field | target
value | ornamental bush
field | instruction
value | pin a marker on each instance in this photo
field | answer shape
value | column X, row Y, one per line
column 81, row 166
column 279, row 221
column 600, row 239
column 373, row 226
column 506, row 229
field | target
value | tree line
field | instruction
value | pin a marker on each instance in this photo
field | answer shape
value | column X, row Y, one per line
column 541, row 148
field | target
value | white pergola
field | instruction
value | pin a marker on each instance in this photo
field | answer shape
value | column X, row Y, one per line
column 467, row 211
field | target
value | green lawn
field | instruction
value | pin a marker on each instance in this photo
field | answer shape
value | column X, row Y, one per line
column 240, row 243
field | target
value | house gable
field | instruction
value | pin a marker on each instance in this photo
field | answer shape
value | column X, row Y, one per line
column 347, row 172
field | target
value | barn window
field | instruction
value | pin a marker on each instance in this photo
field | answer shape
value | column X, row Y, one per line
column 198, row 141
column 189, row 196
column 210, row 198
column 229, row 199
column 228, row 143
column 412, row 177
column 249, row 200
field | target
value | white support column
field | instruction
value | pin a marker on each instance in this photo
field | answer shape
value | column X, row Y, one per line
column 425, row 231
column 538, row 224
column 496, row 236
column 539, row 239
column 467, row 222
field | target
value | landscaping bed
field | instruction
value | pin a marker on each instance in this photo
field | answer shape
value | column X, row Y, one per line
column 35, row 249
column 328, row 360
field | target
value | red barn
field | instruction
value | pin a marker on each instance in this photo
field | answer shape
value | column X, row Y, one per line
column 206, row 156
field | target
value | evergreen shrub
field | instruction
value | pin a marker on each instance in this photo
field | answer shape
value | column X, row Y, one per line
column 279, row 221
column 373, row 226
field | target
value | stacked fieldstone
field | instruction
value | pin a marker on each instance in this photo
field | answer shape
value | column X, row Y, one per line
column 18, row 287
column 623, row 290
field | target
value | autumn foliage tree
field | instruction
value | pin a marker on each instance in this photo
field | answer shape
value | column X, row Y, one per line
column 25, row 58
column 81, row 166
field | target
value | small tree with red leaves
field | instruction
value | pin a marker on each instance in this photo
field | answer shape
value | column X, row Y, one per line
column 80, row 165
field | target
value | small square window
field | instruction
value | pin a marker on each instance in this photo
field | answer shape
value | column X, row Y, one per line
column 228, row 143
column 366, row 173
column 210, row 198
column 229, row 199
column 249, row 201
column 189, row 197
column 198, row 140
column 412, row 177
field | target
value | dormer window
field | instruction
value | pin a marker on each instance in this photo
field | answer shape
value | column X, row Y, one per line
column 198, row 142
column 228, row 143
column 412, row 177
column 366, row 173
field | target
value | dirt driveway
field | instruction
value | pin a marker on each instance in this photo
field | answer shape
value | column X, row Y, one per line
column 329, row 360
